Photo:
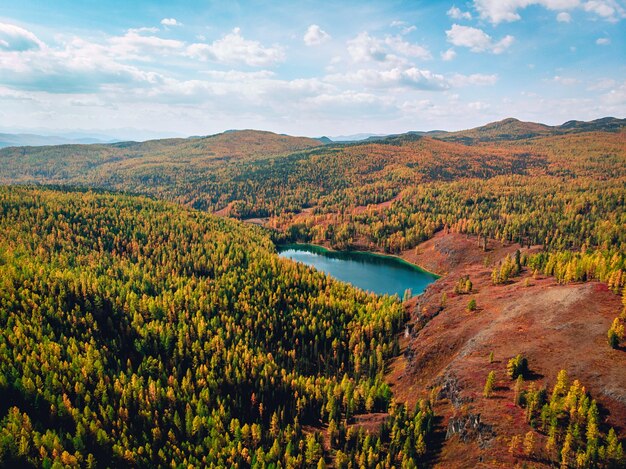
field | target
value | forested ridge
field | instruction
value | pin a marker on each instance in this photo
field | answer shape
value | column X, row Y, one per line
column 135, row 332
column 258, row 174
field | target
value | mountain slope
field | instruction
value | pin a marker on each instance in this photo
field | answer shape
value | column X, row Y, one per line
column 256, row 174
column 260, row 172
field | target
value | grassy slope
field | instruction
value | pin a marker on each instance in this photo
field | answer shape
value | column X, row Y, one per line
column 555, row 326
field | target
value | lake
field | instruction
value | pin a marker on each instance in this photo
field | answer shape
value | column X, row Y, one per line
column 371, row 272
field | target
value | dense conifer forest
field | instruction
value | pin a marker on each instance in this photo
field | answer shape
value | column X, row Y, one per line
column 136, row 332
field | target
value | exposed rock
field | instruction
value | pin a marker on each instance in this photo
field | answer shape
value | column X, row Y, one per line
column 470, row 428
column 451, row 390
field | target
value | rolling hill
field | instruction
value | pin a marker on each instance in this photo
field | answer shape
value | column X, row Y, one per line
column 69, row 163
column 256, row 174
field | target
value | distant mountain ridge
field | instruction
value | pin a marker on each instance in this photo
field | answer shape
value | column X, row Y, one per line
column 34, row 140
column 355, row 137
column 149, row 160
column 505, row 130
column 514, row 129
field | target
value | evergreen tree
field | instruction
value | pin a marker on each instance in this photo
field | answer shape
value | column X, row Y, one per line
column 489, row 383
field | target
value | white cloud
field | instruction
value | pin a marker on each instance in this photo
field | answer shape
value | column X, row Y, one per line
column 14, row 38
column 233, row 48
column 398, row 77
column 347, row 104
column 477, row 40
column 72, row 64
column 405, row 28
column 456, row 14
column 409, row 78
column 144, row 30
column 8, row 93
column 563, row 17
column 616, row 97
column 478, row 106
column 610, row 10
column 170, row 22
column 417, row 106
column 476, row 79
column 407, row 49
column 134, row 45
column 75, row 66
column 315, row 36
column 239, row 92
column 603, row 41
column 602, row 84
column 565, row 81
column 87, row 102
column 236, row 75
column 448, row 55
column 365, row 48
column 498, row 11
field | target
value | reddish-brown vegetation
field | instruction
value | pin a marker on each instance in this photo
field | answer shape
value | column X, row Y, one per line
column 555, row 326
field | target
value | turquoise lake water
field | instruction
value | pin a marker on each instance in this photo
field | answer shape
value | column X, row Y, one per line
column 371, row 272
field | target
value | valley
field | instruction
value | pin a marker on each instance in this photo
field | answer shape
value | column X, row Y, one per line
column 158, row 263
column 262, row 234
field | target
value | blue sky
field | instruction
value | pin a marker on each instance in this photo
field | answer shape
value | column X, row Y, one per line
column 145, row 68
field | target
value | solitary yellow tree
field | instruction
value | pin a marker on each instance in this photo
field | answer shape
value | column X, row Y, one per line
column 491, row 379
column 616, row 333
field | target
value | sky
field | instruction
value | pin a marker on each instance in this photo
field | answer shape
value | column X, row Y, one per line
column 140, row 69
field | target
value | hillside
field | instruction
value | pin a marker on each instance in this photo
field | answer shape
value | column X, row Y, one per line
column 72, row 163
column 250, row 174
column 508, row 129
column 137, row 333
column 554, row 325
